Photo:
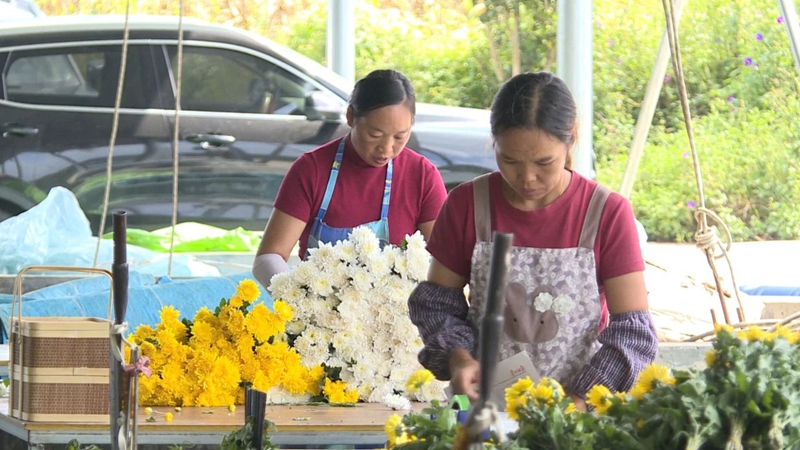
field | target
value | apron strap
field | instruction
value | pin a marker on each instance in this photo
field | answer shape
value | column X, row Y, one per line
column 387, row 191
column 337, row 162
column 483, row 215
column 592, row 221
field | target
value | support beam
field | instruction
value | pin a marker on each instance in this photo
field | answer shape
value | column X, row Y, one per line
column 574, row 61
column 789, row 13
column 341, row 48
column 648, row 107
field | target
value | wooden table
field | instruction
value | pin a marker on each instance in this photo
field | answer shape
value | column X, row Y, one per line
column 297, row 425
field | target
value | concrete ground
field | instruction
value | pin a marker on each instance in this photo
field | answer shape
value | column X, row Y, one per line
column 681, row 284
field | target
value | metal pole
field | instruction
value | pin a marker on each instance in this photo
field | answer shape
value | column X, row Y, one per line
column 341, row 48
column 789, row 13
column 120, row 288
column 574, row 60
column 648, row 108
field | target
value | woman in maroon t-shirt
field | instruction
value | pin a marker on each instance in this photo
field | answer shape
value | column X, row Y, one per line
column 366, row 178
column 575, row 243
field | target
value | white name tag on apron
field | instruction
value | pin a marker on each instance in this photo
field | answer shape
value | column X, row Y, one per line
column 507, row 373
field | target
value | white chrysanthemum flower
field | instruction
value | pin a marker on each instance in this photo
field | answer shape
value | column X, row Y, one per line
column 562, row 304
column 317, row 355
column 401, row 266
column 280, row 396
column 322, row 256
column 378, row 265
column 321, row 285
column 543, row 302
column 338, row 275
column 282, row 283
column 304, row 273
column 295, row 327
column 380, row 391
column 415, row 242
column 418, row 266
column 396, row 402
column 346, row 251
column 362, row 279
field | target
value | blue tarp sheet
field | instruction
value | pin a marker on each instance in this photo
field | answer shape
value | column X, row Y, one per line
column 146, row 296
column 779, row 291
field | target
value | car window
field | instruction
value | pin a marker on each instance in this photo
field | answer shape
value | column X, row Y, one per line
column 224, row 80
column 74, row 77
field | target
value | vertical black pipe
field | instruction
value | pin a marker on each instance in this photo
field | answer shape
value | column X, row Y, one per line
column 119, row 271
column 492, row 323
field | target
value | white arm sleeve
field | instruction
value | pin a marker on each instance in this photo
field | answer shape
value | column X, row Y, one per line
column 266, row 266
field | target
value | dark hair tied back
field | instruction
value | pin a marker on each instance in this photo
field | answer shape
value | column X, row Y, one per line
column 382, row 88
column 535, row 100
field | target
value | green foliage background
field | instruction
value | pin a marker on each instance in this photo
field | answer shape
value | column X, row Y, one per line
column 744, row 115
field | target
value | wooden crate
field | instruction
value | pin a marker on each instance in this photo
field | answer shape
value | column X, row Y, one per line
column 60, row 369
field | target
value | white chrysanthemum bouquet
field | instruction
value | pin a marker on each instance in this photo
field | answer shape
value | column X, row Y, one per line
column 351, row 313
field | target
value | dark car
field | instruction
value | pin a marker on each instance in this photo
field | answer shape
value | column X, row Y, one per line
column 249, row 108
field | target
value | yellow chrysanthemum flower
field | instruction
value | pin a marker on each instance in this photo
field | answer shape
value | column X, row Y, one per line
column 517, row 396
column 337, row 392
column 314, row 380
column 143, row 332
column 638, row 391
column 283, row 310
column 793, row 337
column 236, row 301
column 571, row 408
column 755, row 334
column 204, row 315
column 393, row 429
column 248, row 290
column 168, row 417
column 600, row 397
column 723, row 327
column 262, row 323
column 543, row 392
column 169, row 314
column 640, row 423
column 655, row 372
column 418, row 380
column 232, row 409
column 558, row 390
column 711, row 357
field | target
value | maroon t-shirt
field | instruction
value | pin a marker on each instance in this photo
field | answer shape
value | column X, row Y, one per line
column 417, row 191
column 558, row 225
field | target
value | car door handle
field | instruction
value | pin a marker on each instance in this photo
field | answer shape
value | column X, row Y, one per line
column 210, row 139
column 18, row 130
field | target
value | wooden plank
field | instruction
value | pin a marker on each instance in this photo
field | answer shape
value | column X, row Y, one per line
column 365, row 417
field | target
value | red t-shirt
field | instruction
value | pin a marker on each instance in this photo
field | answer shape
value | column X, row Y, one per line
column 558, row 225
column 417, row 191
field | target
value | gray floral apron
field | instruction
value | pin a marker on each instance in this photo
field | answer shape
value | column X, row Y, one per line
column 552, row 305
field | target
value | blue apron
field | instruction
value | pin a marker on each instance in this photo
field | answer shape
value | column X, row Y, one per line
column 322, row 232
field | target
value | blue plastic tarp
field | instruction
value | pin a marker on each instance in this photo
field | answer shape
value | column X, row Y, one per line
column 146, row 296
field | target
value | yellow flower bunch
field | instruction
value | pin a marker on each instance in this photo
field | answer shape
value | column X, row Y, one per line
column 547, row 392
column 207, row 362
column 338, row 393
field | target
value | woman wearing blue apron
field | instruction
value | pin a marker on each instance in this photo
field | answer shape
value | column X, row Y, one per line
column 367, row 178
column 575, row 304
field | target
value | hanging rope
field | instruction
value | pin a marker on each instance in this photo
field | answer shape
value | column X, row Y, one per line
column 176, row 139
column 114, row 130
column 706, row 236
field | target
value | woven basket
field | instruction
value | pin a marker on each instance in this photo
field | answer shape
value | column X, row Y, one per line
column 59, row 365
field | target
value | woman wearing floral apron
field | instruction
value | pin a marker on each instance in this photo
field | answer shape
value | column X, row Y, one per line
column 575, row 257
column 365, row 178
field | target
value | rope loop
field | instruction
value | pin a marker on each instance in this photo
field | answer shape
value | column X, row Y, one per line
column 709, row 238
